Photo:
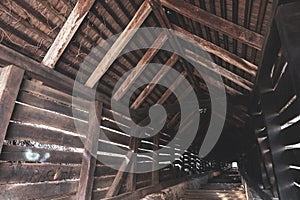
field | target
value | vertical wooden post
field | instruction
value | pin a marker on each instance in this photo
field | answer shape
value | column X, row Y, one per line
column 90, row 152
column 10, row 80
column 131, row 178
column 155, row 172
column 122, row 174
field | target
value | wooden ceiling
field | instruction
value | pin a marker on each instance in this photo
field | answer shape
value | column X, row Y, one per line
column 62, row 34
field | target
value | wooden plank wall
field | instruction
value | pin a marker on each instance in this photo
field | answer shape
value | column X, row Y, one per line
column 43, row 150
column 276, row 113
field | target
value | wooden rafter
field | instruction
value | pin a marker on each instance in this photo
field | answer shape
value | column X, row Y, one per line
column 217, row 23
column 138, row 19
column 219, row 70
column 139, row 100
column 158, row 43
column 172, row 87
column 47, row 75
column 165, row 23
column 67, row 32
column 227, row 56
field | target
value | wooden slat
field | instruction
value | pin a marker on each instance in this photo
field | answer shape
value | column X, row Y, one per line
column 18, row 131
column 139, row 100
column 290, row 136
column 10, row 79
column 140, row 67
column 225, row 55
column 296, row 157
column 67, row 32
column 90, row 153
column 39, row 190
column 50, row 105
column 213, row 21
column 138, row 19
column 28, row 154
column 36, row 172
column 33, row 115
column 54, row 95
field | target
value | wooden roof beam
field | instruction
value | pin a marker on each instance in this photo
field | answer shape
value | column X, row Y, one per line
column 217, row 23
column 139, row 100
column 142, row 64
column 225, row 55
column 165, row 23
column 137, row 20
column 219, row 70
column 67, row 32
column 174, row 85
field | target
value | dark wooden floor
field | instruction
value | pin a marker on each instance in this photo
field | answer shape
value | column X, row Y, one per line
column 224, row 187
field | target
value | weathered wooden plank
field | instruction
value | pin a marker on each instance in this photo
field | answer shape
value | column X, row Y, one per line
column 67, row 32
column 139, row 100
column 18, row 131
column 28, row 154
column 54, row 106
column 137, row 20
column 49, row 76
column 225, row 55
column 54, row 95
column 90, row 153
column 33, row 172
column 140, row 67
column 33, row 115
column 213, row 21
column 38, row 190
column 10, row 79
column 115, row 137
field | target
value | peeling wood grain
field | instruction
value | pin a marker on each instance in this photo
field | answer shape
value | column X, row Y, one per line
column 138, row 19
column 67, row 32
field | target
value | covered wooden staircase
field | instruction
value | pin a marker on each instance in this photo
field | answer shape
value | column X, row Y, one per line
column 226, row 186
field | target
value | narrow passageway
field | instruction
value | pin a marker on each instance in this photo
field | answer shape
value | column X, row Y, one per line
column 226, row 186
